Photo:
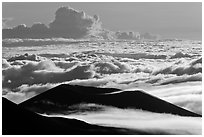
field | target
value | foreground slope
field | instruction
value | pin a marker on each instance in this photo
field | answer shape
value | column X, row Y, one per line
column 19, row 121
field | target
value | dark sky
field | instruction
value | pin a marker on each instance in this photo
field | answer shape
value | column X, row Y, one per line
column 170, row 20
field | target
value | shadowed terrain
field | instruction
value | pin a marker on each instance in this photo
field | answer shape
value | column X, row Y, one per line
column 19, row 121
column 66, row 95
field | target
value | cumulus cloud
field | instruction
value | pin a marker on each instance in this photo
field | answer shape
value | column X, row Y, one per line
column 73, row 24
column 149, row 36
column 20, row 31
column 127, row 35
column 68, row 23
column 5, row 21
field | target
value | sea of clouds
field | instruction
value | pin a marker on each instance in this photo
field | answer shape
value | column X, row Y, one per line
column 75, row 49
column 164, row 75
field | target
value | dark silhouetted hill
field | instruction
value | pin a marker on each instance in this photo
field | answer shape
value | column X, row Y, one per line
column 19, row 121
column 66, row 95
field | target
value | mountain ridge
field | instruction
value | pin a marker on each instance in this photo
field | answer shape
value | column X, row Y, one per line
column 66, row 95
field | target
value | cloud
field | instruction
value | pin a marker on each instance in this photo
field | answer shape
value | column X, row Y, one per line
column 65, row 64
column 73, row 24
column 136, row 56
column 26, row 56
column 90, row 82
column 192, row 102
column 5, row 21
column 17, row 42
column 68, row 23
column 183, row 78
column 196, row 61
column 127, row 35
column 24, row 76
column 111, row 67
column 25, row 92
column 43, row 72
column 180, row 55
column 149, row 36
column 180, row 69
column 20, row 31
column 153, row 123
column 5, row 64
column 186, row 95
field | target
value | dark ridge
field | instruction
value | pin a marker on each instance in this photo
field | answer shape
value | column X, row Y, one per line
column 66, row 95
column 19, row 121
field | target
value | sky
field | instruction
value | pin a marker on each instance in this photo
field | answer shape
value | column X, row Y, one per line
column 170, row 20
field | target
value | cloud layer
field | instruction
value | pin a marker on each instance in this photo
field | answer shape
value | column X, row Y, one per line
column 41, row 72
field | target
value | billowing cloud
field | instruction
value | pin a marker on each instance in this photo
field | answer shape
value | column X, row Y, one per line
column 181, row 69
column 112, row 67
column 73, row 24
column 20, row 31
column 24, row 76
column 43, row 72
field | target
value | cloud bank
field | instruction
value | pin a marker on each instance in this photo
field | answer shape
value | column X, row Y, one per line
column 150, row 36
column 40, row 72
column 68, row 23
column 180, row 69
column 127, row 35
column 4, row 22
